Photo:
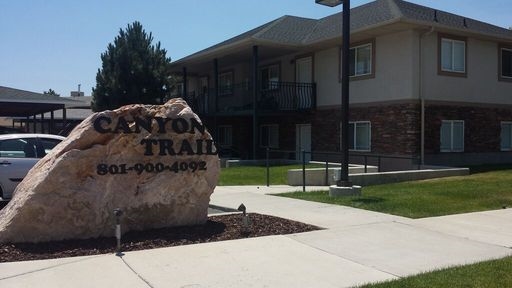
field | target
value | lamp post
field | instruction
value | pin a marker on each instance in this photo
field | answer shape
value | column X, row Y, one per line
column 343, row 181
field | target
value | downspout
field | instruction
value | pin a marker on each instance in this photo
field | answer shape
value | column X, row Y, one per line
column 421, row 96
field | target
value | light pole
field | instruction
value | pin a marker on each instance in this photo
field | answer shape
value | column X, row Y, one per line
column 343, row 181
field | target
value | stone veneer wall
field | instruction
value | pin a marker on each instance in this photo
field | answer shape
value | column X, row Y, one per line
column 395, row 128
column 482, row 126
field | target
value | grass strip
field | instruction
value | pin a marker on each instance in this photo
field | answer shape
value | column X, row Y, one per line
column 488, row 274
column 428, row 198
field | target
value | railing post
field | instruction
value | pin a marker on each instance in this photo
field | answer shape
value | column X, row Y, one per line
column 303, row 170
column 378, row 158
column 365, row 163
column 268, row 167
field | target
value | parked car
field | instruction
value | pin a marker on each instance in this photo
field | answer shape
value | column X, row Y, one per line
column 19, row 153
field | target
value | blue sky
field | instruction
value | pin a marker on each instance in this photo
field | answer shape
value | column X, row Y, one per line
column 57, row 43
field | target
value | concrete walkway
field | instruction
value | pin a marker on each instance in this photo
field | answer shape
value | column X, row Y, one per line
column 356, row 247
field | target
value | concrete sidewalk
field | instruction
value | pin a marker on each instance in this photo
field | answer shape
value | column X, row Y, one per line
column 356, row 247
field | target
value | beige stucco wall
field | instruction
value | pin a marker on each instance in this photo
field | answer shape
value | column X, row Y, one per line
column 481, row 84
column 396, row 62
column 5, row 122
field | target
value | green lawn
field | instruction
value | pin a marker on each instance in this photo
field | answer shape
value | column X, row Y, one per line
column 489, row 274
column 257, row 175
column 427, row 198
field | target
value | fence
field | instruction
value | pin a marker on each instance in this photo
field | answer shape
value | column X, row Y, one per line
column 305, row 156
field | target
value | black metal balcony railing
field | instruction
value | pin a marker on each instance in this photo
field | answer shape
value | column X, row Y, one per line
column 273, row 97
column 288, row 96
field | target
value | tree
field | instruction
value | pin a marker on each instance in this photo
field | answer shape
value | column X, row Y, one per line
column 51, row 92
column 133, row 71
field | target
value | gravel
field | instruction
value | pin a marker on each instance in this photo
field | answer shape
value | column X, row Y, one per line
column 217, row 228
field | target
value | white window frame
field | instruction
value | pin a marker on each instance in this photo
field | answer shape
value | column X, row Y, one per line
column 356, row 49
column 451, row 122
column 226, row 88
column 273, row 130
column 452, row 42
column 271, row 82
column 228, row 135
column 354, row 137
column 502, row 49
column 179, row 91
column 509, row 124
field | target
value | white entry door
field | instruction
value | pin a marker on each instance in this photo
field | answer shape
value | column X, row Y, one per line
column 303, row 141
column 303, row 74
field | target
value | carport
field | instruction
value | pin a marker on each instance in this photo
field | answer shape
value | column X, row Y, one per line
column 29, row 108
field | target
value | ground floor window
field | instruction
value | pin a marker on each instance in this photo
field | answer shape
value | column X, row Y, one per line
column 359, row 137
column 452, row 136
column 269, row 136
column 225, row 135
column 506, row 136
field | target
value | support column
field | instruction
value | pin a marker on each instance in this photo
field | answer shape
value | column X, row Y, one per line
column 215, row 94
column 42, row 123
column 34, row 124
column 345, row 82
column 52, row 118
column 254, row 101
column 64, row 120
column 185, row 85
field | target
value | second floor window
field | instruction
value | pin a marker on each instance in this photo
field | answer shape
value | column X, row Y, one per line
column 453, row 55
column 270, row 77
column 178, row 91
column 505, row 63
column 226, row 83
column 361, row 60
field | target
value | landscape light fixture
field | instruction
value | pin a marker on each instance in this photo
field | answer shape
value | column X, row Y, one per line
column 246, row 221
column 118, row 213
column 345, row 68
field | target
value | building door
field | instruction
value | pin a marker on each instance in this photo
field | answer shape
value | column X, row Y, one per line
column 303, row 141
column 304, row 75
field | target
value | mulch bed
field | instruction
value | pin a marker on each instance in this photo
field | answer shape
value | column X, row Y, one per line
column 217, row 228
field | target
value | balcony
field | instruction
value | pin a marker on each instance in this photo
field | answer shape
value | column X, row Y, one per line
column 274, row 97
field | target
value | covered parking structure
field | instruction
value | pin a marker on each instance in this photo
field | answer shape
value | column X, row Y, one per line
column 29, row 108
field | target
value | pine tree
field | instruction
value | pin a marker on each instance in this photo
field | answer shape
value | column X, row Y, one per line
column 133, row 71
column 51, row 92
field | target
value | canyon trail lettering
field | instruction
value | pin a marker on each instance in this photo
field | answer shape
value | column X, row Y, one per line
column 160, row 125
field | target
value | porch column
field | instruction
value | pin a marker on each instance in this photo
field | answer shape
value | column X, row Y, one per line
column 215, row 94
column 64, row 118
column 42, row 123
column 52, row 118
column 27, row 126
column 34, row 119
column 254, row 101
column 185, row 88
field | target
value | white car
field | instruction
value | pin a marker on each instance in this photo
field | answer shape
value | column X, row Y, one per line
column 19, row 153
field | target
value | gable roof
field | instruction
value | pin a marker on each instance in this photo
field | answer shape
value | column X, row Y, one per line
column 298, row 31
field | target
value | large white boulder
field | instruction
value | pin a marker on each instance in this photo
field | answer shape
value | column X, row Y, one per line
column 157, row 163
